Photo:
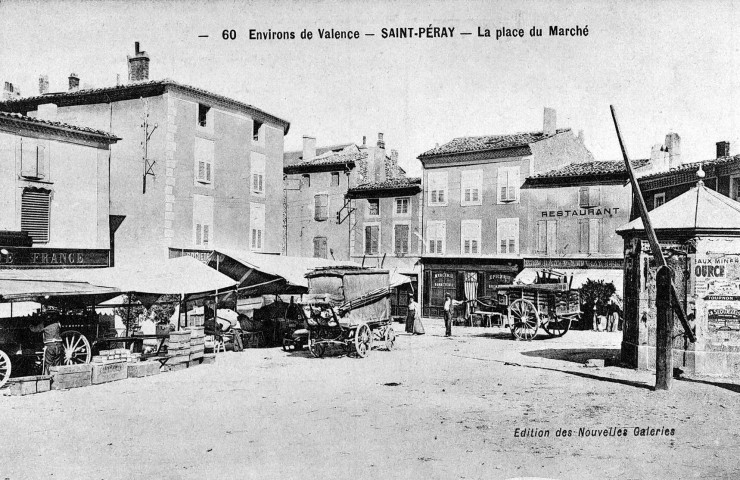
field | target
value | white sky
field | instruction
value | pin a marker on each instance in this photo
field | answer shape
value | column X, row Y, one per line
column 667, row 66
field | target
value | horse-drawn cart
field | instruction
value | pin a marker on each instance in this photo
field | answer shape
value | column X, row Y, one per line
column 549, row 303
column 346, row 307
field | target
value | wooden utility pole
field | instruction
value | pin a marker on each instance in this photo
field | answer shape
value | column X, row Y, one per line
column 664, row 331
column 651, row 236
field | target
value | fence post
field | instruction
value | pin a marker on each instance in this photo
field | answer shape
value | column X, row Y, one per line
column 664, row 330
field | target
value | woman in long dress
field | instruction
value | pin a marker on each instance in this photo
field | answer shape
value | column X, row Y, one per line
column 418, row 328
column 410, row 317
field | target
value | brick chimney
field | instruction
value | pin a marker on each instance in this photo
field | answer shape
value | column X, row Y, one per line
column 723, row 149
column 673, row 147
column 43, row 84
column 74, row 82
column 549, row 121
column 309, row 147
column 138, row 65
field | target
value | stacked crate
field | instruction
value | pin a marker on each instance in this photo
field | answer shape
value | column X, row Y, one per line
column 178, row 350
column 197, row 344
column 117, row 354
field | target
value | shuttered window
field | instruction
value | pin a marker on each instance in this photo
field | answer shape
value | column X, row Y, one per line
column 321, row 207
column 35, row 214
column 204, row 154
column 33, row 160
column 401, row 238
column 372, row 239
column 319, row 247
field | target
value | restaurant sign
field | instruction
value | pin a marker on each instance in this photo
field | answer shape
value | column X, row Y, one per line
column 25, row 257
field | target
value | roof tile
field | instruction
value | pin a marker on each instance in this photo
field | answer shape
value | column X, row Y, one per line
column 488, row 142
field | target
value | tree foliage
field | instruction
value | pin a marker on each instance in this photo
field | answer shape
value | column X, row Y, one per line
column 596, row 293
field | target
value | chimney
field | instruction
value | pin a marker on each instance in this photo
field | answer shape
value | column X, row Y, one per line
column 138, row 65
column 309, row 147
column 10, row 91
column 392, row 168
column 364, row 141
column 47, row 111
column 673, row 147
column 378, row 167
column 43, row 84
column 549, row 122
column 723, row 149
column 74, row 82
column 658, row 159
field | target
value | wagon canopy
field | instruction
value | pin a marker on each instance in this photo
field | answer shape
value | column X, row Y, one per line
column 346, row 285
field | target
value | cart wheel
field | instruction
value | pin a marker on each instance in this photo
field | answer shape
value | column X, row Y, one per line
column 389, row 337
column 558, row 327
column 363, row 340
column 317, row 349
column 4, row 368
column 524, row 319
column 76, row 348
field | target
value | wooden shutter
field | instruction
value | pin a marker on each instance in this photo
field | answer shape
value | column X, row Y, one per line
column 198, row 228
column 402, row 238
column 205, row 235
column 35, row 212
column 552, row 236
column 542, row 236
column 583, row 199
column 594, row 230
column 594, row 196
column 583, row 236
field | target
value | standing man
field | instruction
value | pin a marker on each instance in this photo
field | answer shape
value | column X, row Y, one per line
column 52, row 330
column 449, row 305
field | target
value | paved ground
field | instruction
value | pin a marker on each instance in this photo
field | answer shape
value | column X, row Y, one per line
column 433, row 408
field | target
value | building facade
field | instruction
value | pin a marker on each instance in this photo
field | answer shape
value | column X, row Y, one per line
column 474, row 221
column 194, row 170
column 54, row 194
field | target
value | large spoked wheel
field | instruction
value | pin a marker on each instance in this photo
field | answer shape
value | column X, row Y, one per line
column 76, row 348
column 558, row 326
column 363, row 340
column 389, row 337
column 524, row 319
column 4, row 368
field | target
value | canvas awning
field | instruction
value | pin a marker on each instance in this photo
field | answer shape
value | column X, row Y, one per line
column 182, row 275
column 268, row 274
column 397, row 279
column 35, row 285
column 580, row 276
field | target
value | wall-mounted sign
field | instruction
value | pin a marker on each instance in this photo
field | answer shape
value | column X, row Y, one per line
column 581, row 212
column 24, row 257
column 601, row 263
column 443, row 279
column 201, row 255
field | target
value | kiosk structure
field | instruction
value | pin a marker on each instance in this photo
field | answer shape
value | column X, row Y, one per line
column 699, row 234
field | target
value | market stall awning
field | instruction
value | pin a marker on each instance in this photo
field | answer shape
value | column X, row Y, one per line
column 268, row 274
column 397, row 279
column 580, row 276
column 182, row 275
column 37, row 285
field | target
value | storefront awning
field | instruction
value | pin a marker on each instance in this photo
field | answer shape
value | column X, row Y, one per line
column 38, row 284
column 580, row 276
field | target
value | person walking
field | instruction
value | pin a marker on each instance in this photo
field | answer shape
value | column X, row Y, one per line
column 449, row 305
column 416, row 328
column 612, row 316
column 52, row 333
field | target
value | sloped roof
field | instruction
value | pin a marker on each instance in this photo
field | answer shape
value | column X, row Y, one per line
column 325, row 161
column 393, row 183
column 64, row 129
column 296, row 156
column 133, row 91
column 588, row 169
column 697, row 209
column 488, row 142
column 693, row 166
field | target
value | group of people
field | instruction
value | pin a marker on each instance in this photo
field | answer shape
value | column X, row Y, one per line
column 607, row 318
column 413, row 318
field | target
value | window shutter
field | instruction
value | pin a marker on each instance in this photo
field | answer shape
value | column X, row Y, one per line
column 552, row 236
column 40, row 161
column 474, row 246
column 441, row 196
column 368, row 239
column 502, row 184
column 198, row 228
column 583, row 200
column 594, row 227
column 594, row 196
column 259, row 239
column 513, row 184
column 583, row 229
column 35, row 212
column 542, row 236
column 205, row 235
column 201, row 170
column 208, row 172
